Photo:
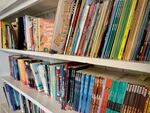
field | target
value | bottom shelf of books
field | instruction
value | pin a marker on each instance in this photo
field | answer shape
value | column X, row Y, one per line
column 29, row 100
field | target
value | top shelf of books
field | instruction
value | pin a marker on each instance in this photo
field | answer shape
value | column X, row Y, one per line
column 126, row 65
column 15, row 8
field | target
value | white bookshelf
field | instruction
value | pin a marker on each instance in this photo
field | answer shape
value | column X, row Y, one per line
column 38, row 98
column 125, row 65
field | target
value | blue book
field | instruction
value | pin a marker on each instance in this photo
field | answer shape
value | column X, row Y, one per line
column 110, row 26
column 85, row 93
column 87, row 2
column 81, row 92
column 16, row 70
column 140, row 36
column 11, row 95
column 87, row 105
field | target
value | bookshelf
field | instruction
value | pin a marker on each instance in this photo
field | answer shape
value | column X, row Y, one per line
column 126, row 65
column 39, row 98
column 31, row 7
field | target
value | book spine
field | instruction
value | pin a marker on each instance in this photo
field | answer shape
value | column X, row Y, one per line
column 81, row 92
column 36, row 75
column 3, row 34
column 89, row 97
column 58, row 82
column 85, row 94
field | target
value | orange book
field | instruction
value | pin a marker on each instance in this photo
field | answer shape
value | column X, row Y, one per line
column 105, row 95
column 46, row 28
column 22, row 71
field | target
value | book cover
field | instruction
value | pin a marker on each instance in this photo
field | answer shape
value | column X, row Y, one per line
column 46, row 28
column 38, row 82
column 62, row 23
column 43, row 77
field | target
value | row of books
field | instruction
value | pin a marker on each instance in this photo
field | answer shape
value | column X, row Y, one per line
column 81, row 87
column 27, row 32
column 16, row 101
column 115, row 29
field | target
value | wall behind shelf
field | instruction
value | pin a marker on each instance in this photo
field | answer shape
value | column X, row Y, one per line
column 4, row 71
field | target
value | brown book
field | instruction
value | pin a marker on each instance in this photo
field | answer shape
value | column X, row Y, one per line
column 134, row 32
column 93, row 100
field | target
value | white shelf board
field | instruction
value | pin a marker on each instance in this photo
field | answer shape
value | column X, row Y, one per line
column 38, row 98
column 126, row 65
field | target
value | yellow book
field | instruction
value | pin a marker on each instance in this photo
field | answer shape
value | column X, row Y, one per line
column 3, row 34
column 76, row 29
column 131, row 15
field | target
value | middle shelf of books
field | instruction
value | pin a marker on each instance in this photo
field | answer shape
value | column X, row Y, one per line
column 61, row 87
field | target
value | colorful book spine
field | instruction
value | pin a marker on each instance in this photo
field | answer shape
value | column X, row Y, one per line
column 58, row 76
column 3, row 34
column 127, row 28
